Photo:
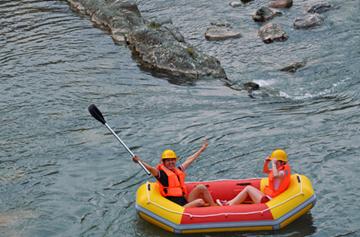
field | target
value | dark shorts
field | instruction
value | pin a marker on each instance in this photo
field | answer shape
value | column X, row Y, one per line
column 178, row 200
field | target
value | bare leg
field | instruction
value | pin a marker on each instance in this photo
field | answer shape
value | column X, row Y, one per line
column 195, row 203
column 254, row 193
column 239, row 198
column 200, row 191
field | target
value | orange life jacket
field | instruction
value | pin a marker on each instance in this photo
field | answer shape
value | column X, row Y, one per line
column 284, row 183
column 176, row 180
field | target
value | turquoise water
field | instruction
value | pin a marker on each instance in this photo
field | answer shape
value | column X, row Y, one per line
column 63, row 174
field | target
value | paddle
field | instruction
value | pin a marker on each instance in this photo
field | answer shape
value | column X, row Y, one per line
column 95, row 112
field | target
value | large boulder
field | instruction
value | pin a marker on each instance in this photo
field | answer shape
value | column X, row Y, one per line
column 158, row 50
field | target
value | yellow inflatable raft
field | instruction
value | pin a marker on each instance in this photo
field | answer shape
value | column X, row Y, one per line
column 272, row 215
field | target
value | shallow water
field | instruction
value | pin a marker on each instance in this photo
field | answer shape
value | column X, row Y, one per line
column 63, row 174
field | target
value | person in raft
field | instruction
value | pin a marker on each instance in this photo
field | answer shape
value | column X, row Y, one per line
column 171, row 180
column 279, row 180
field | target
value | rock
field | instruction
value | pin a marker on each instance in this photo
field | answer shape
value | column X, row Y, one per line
column 293, row 67
column 272, row 32
column 158, row 51
column 158, row 45
column 119, row 17
column 161, row 21
column 264, row 14
column 235, row 4
column 77, row 6
column 175, row 32
column 221, row 32
column 221, row 24
column 238, row 4
column 281, row 4
column 246, row 1
column 319, row 7
column 251, row 86
column 308, row 21
column 126, row 16
column 118, row 35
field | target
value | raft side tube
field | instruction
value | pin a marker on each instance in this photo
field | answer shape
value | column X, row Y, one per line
column 275, row 214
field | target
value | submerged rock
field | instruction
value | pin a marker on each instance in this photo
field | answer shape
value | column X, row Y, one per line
column 281, row 3
column 246, row 1
column 293, row 67
column 159, row 47
column 308, row 21
column 14, row 217
column 264, row 14
column 221, row 32
column 235, row 4
column 318, row 7
column 161, row 21
column 251, row 86
column 272, row 32
column 238, row 3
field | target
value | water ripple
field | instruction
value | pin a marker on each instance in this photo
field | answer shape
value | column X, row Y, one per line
column 62, row 173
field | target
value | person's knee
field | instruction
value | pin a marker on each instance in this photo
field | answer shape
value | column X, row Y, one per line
column 250, row 188
column 201, row 187
column 246, row 189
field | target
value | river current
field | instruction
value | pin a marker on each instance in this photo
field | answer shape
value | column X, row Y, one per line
column 63, row 174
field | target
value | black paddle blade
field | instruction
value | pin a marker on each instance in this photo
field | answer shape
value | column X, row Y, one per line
column 95, row 112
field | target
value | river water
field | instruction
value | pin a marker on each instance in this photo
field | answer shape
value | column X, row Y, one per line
column 63, row 174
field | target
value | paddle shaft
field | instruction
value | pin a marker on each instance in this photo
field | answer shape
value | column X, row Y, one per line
column 118, row 138
column 127, row 148
column 96, row 113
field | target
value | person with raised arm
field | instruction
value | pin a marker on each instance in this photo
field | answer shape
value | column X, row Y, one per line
column 171, row 179
column 279, row 180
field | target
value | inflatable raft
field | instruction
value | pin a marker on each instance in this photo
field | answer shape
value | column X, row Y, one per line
column 272, row 215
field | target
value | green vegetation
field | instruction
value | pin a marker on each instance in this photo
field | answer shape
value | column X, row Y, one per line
column 191, row 52
column 154, row 25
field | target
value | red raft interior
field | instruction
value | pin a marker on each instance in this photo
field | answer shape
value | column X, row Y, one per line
column 226, row 190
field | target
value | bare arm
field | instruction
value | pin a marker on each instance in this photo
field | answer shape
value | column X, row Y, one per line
column 276, row 172
column 193, row 157
column 266, row 166
column 153, row 170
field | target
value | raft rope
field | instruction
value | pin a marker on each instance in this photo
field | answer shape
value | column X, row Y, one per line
column 149, row 201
